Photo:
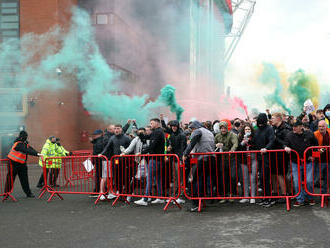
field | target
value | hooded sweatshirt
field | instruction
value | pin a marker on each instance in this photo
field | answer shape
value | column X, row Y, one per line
column 202, row 140
column 264, row 136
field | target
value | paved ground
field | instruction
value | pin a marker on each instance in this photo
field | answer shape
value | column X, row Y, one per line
column 76, row 222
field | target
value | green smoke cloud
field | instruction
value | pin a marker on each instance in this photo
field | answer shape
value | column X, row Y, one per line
column 76, row 53
column 271, row 77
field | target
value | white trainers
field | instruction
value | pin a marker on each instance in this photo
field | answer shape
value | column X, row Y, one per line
column 111, row 196
column 157, row 201
column 102, row 198
column 252, row 201
column 244, row 201
column 180, row 201
column 141, row 202
column 149, row 199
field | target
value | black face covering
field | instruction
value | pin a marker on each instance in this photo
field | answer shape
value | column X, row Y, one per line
column 237, row 124
column 141, row 136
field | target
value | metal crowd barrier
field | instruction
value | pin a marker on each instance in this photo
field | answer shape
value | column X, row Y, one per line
column 316, row 167
column 72, row 175
column 6, row 179
column 241, row 175
column 146, row 176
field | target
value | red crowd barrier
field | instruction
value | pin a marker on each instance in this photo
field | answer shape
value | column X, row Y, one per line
column 6, row 179
column 239, row 175
column 72, row 175
column 317, row 172
column 146, row 176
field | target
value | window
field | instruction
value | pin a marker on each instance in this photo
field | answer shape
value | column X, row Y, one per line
column 9, row 19
column 101, row 19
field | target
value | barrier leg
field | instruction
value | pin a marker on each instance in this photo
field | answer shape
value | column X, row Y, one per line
column 52, row 195
column 8, row 195
column 322, row 201
column 174, row 201
column 42, row 191
column 288, row 204
column 199, row 205
column 120, row 197
column 115, row 201
column 98, row 198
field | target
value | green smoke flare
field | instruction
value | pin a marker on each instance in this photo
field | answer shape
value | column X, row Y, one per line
column 167, row 96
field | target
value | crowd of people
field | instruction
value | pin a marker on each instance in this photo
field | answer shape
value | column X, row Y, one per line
column 263, row 133
column 255, row 137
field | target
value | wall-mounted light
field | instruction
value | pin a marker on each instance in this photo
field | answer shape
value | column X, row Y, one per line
column 58, row 71
column 60, row 104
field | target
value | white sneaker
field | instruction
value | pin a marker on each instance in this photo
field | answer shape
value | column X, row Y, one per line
column 244, row 201
column 129, row 198
column 149, row 199
column 180, row 201
column 102, row 198
column 252, row 201
column 141, row 202
column 157, row 201
column 111, row 196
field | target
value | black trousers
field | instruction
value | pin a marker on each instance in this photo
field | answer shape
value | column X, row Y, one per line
column 41, row 179
column 98, row 173
column 22, row 171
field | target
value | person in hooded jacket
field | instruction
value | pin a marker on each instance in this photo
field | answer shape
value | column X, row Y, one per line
column 201, row 141
column 18, row 156
column 227, row 141
column 177, row 144
column 264, row 139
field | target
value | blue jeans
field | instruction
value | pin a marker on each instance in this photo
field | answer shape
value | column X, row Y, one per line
column 154, row 175
column 309, row 181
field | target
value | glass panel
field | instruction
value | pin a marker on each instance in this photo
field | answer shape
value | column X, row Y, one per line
column 9, row 33
column 8, row 11
column 8, row 25
column 9, row 5
column 9, row 18
column 102, row 19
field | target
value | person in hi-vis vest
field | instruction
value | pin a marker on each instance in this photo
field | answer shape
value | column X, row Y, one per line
column 18, row 156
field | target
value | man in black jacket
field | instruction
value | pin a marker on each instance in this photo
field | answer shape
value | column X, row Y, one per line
column 157, row 146
column 177, row 144
column 279, row 161
column 299, row 140
column 97, row 141
column 18, row 157
column 264, row 139
column 115, row 146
